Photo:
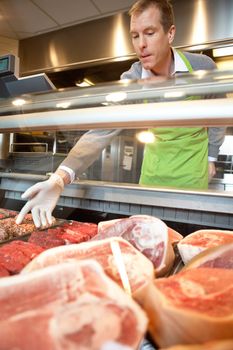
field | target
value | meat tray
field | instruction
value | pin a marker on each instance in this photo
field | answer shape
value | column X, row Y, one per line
column 26, row 236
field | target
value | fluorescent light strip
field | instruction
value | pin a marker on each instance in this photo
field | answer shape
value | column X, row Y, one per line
column 223, row 51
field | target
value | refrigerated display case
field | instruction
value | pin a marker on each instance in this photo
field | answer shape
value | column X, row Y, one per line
column 110, row 185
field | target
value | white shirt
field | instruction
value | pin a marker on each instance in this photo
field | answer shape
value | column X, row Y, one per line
column 179, row 66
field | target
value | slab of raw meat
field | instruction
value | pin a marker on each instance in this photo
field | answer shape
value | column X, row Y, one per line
column 191, row 307
column 17, row 254
column 9, row 229
column 47, row 238
column 139, row 269
column 3, row 271
column 73, row 305
column 213, row 345
column 77, row 232
column 201, row 240
column 217, row 257
column 6, row 213
column 66, row 233
column 148, row 234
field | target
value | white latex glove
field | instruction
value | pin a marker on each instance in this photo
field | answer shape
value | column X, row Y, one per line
column 42, row 199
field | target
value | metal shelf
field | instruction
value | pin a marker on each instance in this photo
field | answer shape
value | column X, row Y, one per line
column 207, row 208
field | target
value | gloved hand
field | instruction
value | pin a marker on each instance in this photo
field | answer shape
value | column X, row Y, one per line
column 42, row 199
column 212, row 170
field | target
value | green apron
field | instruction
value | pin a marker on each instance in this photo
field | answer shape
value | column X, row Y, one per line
column 178, row 157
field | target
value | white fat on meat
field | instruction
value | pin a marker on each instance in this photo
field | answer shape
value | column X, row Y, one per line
column 198, row 241
column 73, row 305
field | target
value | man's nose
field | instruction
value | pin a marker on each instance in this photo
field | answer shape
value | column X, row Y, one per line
column 142, row 42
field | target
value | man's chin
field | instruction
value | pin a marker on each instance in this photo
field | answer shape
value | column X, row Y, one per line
column 147, row 65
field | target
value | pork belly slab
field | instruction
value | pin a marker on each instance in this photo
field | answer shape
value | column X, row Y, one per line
column 193, row 306
column 139, row 269
column 148, row 234
column 71, row 306
column 200, row 240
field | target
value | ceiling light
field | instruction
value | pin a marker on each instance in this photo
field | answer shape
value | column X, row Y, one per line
column 84, row 83
column 223, row 51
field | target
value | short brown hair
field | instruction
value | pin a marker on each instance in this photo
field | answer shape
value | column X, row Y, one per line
column 164, row 6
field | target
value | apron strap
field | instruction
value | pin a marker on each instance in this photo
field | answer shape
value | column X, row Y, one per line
column 186, row 61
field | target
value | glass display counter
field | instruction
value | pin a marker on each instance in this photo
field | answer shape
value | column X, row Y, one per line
column 38, row 130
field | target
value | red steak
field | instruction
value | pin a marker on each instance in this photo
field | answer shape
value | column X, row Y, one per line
column 17, row 254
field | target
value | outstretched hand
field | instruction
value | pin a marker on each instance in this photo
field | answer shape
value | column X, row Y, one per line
column 42, row 199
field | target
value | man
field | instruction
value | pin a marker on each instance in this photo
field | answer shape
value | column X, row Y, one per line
column 179, row 156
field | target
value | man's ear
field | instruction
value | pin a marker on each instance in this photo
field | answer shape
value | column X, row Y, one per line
column 171, row 34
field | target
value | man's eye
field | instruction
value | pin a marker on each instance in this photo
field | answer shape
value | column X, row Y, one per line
column 134, row 36
column 149, row 33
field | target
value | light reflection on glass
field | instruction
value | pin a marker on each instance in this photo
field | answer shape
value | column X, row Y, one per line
column 145, row 137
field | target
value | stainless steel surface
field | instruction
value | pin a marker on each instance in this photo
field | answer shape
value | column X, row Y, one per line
column 34, row 146
column 203, row 22
column 207, row 208
column 4, row 145
column 206, row 22
column 77, row 45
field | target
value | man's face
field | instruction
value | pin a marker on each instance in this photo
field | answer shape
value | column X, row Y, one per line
column 151, row 43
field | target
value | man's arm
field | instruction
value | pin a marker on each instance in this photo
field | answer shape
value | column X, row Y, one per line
column 216, row 138
column 43, row 196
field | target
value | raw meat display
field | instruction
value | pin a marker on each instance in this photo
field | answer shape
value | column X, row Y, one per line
column 3, row 271
column 146, row 233
column 66, row 233
column 6, row 213
column 220, row 257
column 9, row 229
column 213, row 345
column 73, row 305
column 77, row 232
column 139, row 269
column 191, row 307
column 201, row 240
column 47, row 238
column 15, row 255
